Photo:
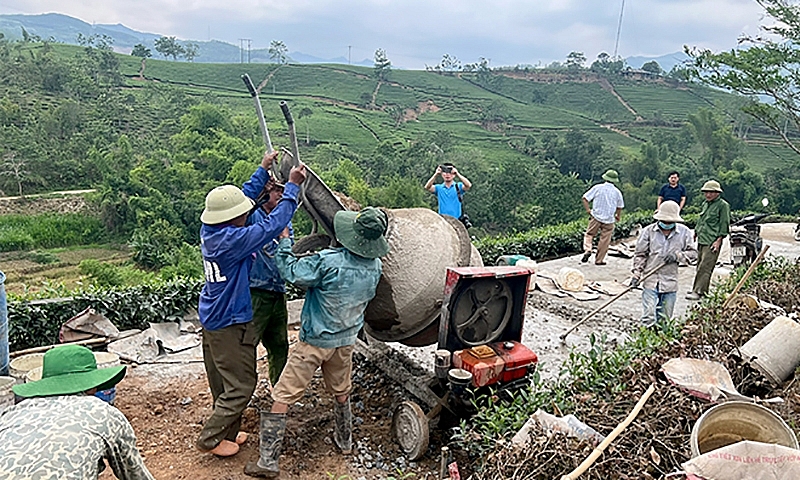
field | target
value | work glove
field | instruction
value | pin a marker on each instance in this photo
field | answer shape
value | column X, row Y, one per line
column 634, row 282
column 669, row 258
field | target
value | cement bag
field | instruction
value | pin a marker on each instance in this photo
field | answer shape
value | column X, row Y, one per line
column 570, row 279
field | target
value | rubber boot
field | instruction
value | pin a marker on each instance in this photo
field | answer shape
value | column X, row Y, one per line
column 273, row 426
column 343, row 434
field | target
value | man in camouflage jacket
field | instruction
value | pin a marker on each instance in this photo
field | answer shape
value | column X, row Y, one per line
column 62, row 431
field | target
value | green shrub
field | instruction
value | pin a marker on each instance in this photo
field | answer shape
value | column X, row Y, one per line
column 13, row 240
column 156, row 245
column 101, row 274
column 188, row 263
column 43, row 258
column 23, row 232
column 558, row 240
column 35, row 323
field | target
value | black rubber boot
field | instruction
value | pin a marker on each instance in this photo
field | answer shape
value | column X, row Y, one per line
column 273, row 426
column 343, row 434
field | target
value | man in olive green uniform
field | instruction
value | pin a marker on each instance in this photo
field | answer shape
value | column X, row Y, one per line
column 712, row 227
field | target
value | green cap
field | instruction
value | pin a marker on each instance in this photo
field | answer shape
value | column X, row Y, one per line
column 68, row 370
column 362, row 232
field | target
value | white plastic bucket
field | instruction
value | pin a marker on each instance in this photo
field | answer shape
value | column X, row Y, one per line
column 775, row 350
column 20, row 366
column 732, row 422
column 6, row 394
column 34, row 375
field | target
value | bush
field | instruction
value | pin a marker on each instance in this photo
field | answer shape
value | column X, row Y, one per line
column 558, row 240
column 156, row 245
column 13, row 240
column 36, row 323
column 102, row 274
column 43, row 258
column 23, row 232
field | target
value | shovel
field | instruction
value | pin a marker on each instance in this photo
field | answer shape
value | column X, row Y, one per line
column 609, row 302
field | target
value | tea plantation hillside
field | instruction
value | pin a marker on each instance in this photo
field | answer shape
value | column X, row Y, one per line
column 153, row 136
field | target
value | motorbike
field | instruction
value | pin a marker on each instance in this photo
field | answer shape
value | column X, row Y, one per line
column 746, row 241
column 797, row 230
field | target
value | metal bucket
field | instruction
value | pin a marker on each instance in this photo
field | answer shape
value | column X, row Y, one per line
column 732, row 422
column 20, row 366
column 6, row 394
column 775, row 350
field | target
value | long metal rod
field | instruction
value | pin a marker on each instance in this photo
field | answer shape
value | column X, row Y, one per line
column 612, row 300
column 292, row 133
column 261, row 121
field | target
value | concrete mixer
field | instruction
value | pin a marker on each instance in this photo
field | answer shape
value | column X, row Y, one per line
column 434, row 288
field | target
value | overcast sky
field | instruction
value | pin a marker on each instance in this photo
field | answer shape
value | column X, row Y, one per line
column 416, row 33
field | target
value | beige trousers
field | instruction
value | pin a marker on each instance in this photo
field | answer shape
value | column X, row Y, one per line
column 606, row 231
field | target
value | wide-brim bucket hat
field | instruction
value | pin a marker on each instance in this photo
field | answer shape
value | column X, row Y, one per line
column 68, row 370
column 669, row 212
column 711, row 186
column 362, row 232
column 611, row 176
column 225, row 203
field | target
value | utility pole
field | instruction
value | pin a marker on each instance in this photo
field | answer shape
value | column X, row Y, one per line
column 241, row 49
column 348, row 53
column 619, row 29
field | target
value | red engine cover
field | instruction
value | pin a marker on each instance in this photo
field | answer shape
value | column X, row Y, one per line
column 516, row 359
column 495, row 363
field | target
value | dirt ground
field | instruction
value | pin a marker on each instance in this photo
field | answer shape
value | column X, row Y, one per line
column 167, row 405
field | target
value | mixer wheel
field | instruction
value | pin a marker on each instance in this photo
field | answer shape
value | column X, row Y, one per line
column 410, row 428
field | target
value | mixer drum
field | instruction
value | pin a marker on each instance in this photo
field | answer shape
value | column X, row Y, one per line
column 408, row 302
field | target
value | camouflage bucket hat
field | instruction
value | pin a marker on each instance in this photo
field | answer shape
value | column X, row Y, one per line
column 68, row 370
column 362, row 232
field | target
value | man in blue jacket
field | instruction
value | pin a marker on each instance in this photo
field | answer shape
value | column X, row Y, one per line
column 225, row 310
column 267, row 288
column 340, row 282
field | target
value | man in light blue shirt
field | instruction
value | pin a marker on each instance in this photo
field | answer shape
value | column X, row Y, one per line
column 340, row 282
column 607, row 205
column 449, row 194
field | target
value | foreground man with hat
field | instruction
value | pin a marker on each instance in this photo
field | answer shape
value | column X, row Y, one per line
column 664, row 242
column 225, row 310
column 607, row 205
column 62, row 430
column 341, row 282
column 712, row 227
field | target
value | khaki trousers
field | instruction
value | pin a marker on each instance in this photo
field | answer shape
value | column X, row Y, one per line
column 606, row 232
column 229, row 355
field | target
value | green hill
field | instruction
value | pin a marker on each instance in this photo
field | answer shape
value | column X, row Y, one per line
column 531, row 140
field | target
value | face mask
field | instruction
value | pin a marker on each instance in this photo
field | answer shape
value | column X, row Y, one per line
column 666, row 226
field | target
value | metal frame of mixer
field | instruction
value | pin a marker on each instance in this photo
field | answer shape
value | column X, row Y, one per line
column 482, row 306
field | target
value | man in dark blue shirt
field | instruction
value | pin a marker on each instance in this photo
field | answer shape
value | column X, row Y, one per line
column 672, row 191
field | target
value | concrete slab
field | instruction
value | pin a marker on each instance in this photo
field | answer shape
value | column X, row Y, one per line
column 547, row 317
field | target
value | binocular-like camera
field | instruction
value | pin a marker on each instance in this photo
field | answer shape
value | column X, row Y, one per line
column 446, row 168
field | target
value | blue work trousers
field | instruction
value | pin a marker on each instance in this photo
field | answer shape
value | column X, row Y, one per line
column 657, row 306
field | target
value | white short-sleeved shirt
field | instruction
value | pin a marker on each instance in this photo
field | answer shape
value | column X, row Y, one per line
column 606, row 199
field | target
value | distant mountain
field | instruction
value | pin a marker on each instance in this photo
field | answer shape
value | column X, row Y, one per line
column 65, row 29
column 666, row 61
